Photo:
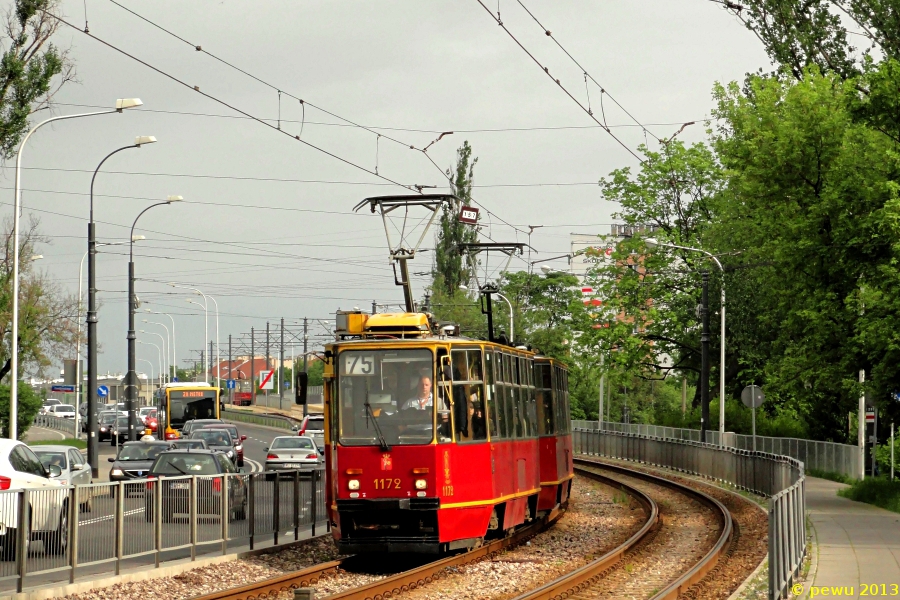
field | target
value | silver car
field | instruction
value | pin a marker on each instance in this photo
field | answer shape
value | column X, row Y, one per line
column 75, row 469
column 292, row 452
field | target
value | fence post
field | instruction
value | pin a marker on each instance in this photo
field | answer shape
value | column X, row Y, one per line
column 314, row 502
column 157, row 517
column 226, row 510
column 23, row 538
column 276, row 507
column 296, row 505
column 72, row 550
column 120, row 523
column 192, row 515
column 252, row 487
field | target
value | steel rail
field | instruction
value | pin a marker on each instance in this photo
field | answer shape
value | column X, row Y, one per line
column 394, row 585
column 586, row 576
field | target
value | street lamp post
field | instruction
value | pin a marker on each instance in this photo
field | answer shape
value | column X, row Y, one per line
column 131, row 378
column 121, row 105
column 169, row 350
column 652, row 242
column 93, row 454
column 158, row 352
column 165, row 349
column 205, row 305
column 149, row 363
column 205, row 321
column 174, row 363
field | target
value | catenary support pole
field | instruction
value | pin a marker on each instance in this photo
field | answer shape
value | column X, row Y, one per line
column 281, row 370
column 305, row 357
column 861, row 426
column 231, row 372
column 252, row 367
column 704, row 358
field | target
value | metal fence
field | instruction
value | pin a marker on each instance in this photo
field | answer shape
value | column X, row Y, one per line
column 824, row 456
column 80, row 531
column 244, row 416
column 66, row 426
column 781, row 478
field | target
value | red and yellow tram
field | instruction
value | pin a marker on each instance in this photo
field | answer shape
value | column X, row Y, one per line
column 435, row 442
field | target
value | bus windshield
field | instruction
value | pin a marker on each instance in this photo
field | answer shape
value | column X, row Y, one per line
column 185, row 405
column 386, row 397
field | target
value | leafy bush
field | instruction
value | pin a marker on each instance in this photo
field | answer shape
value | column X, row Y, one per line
column 28, row 406
column 879, row 491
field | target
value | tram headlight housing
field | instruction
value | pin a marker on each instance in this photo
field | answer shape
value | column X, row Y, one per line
column 421, row 484
column 353, row 484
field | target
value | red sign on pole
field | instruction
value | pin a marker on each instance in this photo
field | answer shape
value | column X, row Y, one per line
column 468, row 215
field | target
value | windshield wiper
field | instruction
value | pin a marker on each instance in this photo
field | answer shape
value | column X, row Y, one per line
column 369, row 411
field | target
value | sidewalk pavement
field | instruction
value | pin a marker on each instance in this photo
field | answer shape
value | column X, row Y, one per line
column 858, row 544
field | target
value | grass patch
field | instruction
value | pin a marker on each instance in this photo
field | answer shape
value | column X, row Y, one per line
column 80, row 444
column 879, row 491
column 831, row 476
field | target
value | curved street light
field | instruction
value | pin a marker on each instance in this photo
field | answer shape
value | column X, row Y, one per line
column 206, row 298
column 174, row 360
column 121, row 105
column 165, row 350
column 651, row 242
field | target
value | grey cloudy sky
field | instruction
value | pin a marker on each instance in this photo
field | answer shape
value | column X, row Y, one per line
column 260, row 230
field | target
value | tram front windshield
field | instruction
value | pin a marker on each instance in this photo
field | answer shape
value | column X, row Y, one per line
column 386, row 397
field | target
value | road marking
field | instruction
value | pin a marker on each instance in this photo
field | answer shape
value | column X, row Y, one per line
column 255, row 467
column 61, row 435
column 109, row 517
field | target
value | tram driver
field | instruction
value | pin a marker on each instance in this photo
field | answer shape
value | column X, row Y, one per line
column 423, row 398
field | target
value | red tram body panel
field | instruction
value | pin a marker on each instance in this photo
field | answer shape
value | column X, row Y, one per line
column 437, row 443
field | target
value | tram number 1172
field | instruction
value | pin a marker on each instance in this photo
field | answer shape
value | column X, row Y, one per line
column 387, row 484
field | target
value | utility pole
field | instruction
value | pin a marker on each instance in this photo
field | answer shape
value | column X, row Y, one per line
column 305, row 358
column 602, row 382
column 252, row 367
column 281, row 370
column 203, row 363
column 268, row 364
column 230, row 372
column 704, row 357
column 861, row 426
column 210, row 360
column 374, row 307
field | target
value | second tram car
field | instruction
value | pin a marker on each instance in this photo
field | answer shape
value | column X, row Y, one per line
column 436, row 442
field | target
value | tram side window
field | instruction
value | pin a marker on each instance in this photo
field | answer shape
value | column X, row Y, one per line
column 560, row 400
column 468, row 395
column 567, row 422
column 544, row 400
column 499, row 411
column 490, row 391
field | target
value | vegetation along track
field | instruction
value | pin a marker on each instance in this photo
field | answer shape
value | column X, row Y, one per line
column 396, row 584
column 669, row 561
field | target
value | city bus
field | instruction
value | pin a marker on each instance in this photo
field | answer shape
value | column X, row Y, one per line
column 179, row 402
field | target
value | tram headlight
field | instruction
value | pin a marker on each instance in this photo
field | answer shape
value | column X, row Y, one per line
column 421, row 484
column 353, row 484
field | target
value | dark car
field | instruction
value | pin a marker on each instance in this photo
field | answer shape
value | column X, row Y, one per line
column 107, row 422
column 196, row 423
column 188, row 444
column 134, row 461
column 168, row 473
column 236, row 438
column 119, row 431
column 216, row 439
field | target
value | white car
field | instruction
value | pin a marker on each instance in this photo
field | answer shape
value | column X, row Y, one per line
column 65, row 411
column 144, row 411
column 47, row 511
column 48, row 404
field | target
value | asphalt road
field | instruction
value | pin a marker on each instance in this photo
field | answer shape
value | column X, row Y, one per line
column 97, row 528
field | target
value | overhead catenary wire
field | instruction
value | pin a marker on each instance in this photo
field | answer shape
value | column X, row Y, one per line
column 558, row 82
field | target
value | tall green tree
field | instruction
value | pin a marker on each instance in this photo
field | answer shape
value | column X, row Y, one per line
column 32, row 69
column 453, row 268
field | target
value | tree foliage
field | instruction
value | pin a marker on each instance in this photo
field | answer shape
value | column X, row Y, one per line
column 32, row 69
column 452, row 268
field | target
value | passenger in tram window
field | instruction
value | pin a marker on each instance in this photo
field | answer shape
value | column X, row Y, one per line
column 476, row 416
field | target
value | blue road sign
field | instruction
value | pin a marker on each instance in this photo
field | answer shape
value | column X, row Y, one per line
column 69, row 389
column 103, row 391
column 230, row 384
column 287, row 384
column 174, row 379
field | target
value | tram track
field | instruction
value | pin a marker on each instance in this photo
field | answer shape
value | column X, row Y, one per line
column 638, row 571
column 666, row 504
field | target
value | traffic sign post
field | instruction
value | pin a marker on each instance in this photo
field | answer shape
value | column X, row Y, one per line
column 103, row 391
column 752, row 397
column 265, row 379
column 230, row 384
column 66, row 389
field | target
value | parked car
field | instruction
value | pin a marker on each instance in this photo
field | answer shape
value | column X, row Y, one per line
column 175, row 493
column 184, row 444
column 134, row 461
column 216, row 439
column 236, row 438
column 106, row 423
column 75, row 469
column 64, row 411
column 313, row 426
column 194, row 423
column 48, row 516
column 292, row 452
column 48, row 403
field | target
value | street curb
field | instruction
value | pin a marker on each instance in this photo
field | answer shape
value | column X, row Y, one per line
column 148, row 572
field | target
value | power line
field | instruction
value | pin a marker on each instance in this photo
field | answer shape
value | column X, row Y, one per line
column 546, row 70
